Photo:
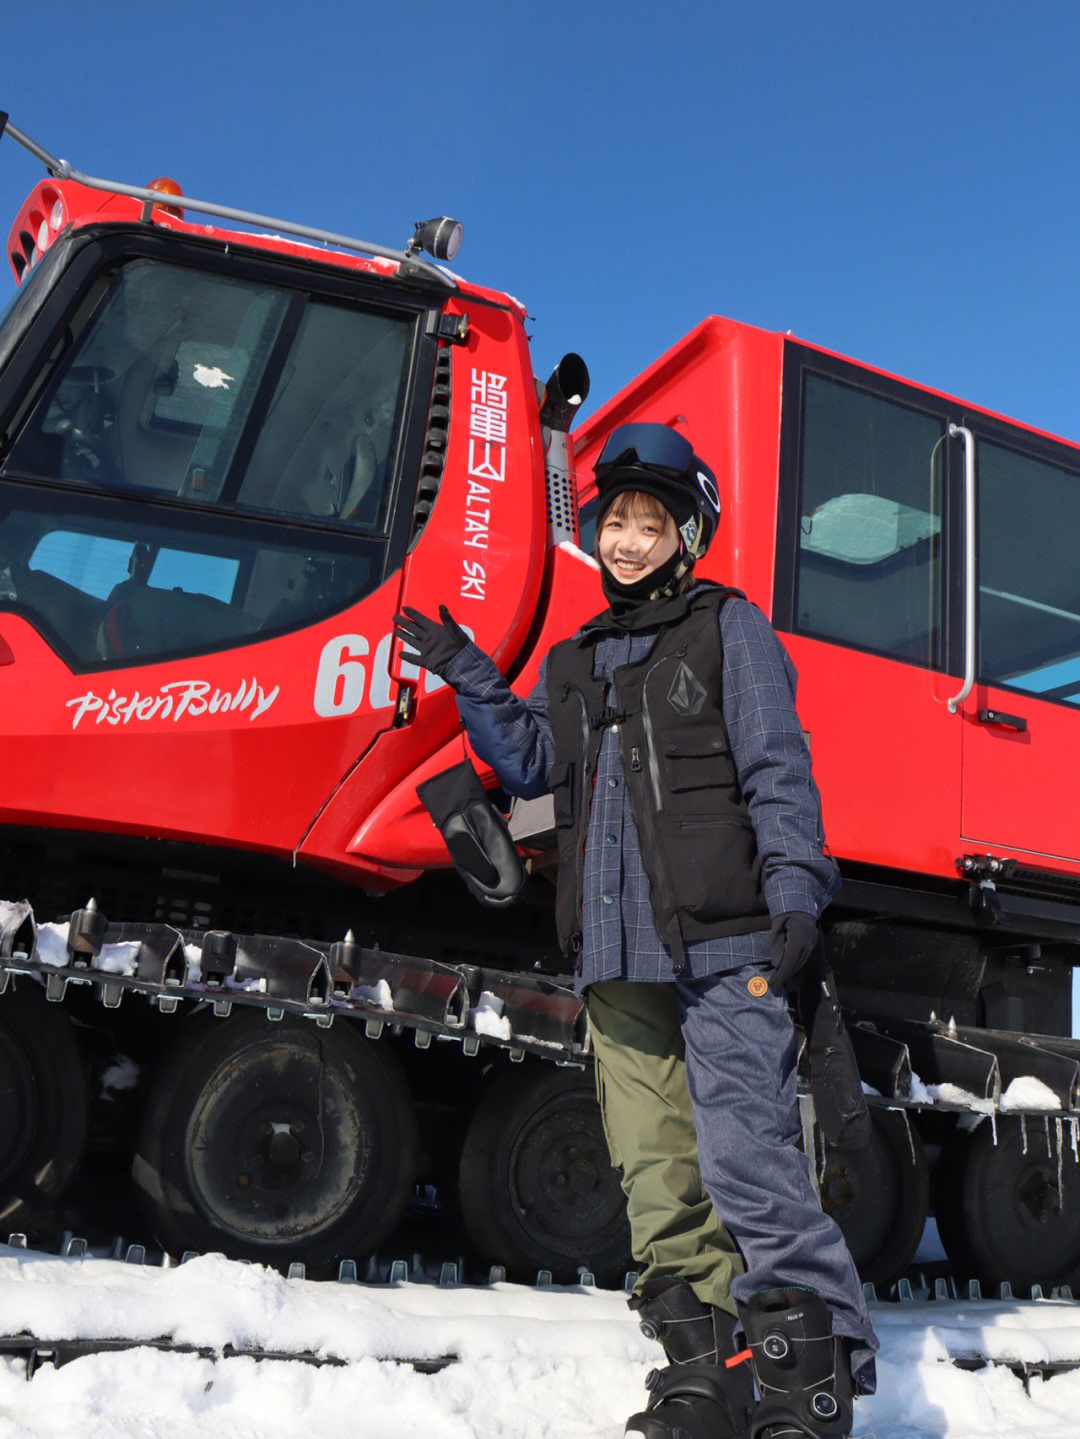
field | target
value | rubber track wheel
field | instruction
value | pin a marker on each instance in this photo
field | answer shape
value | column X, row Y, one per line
column 278, row 1142
column 879, row 1196
column 1001, row 1214
column 44, row 1119
column 536, row 1187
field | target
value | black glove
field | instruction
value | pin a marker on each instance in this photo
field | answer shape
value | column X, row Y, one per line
column 475, row 833
column 793, row 938
column 829, row 1060
column 434, row 644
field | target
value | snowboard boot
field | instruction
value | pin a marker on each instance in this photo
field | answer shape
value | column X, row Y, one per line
column 802, row 1369
column 695, row 1396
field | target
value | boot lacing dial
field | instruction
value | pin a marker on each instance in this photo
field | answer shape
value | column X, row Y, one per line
column 777, row 1347
column 800, row 1384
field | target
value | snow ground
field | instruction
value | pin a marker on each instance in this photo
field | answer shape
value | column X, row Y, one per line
column 533, row 1363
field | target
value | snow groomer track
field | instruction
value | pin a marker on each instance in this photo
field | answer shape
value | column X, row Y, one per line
column 980, row 1126
column 282, row 976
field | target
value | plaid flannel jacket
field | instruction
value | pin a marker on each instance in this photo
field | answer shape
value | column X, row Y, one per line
column 773, row 763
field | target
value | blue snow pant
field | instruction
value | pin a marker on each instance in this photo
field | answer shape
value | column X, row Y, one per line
column 697, row 1088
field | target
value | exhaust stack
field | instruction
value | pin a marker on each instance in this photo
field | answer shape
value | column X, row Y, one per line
column 564, row 394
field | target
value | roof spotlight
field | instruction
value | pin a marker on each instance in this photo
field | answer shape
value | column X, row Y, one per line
column 440, row 237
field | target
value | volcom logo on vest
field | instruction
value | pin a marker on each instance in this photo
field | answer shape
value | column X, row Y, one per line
column 687, row 694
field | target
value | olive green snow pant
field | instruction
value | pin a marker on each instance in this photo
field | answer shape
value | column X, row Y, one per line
column 641, row 1086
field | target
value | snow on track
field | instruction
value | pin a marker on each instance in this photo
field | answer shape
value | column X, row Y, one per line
column 533, row 1363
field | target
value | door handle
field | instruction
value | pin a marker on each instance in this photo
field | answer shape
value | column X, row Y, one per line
column 1016, row 722
column 959, row 431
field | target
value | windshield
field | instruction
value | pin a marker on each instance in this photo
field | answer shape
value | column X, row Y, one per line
column 203, row 458
column 220, row 391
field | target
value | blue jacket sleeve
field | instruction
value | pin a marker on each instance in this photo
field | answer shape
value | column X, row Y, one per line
column 511, row 734
column 772, row 760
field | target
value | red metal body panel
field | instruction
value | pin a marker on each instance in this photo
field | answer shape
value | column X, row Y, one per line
column 720, row 385
column 481, row 554
column 905, row 783
column 887, row 756
column 1021, row 789
column 140, row 750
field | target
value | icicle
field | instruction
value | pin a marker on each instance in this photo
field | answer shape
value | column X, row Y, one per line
column 1023, row 1132
column 910, row 1138
column 1061, row 1176
column 1074, row 1125
column 993, row 1125
column 1046, row 1127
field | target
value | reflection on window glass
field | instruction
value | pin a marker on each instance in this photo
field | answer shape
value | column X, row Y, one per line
column 91, row 563
column 131, row 585
column 222, row 391
column 1029, row 579
column 325, row 448
column 869, row 571
column 96, row 564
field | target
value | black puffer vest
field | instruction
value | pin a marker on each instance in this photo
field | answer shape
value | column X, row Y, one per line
column 697, row 841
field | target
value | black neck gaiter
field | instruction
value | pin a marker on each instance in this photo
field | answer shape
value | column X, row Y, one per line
column 648, row 602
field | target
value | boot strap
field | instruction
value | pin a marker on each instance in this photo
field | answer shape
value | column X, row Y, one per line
column 699, row 1381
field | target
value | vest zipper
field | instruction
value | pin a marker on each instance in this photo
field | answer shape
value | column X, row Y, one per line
column 586, row 732
column 650, row 743
column 584, row 808
column 647, row 827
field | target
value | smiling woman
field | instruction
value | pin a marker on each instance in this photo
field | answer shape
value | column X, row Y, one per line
column 637, row 537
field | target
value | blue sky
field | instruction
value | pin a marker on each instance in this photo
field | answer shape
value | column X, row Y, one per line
column 896, row 181
column 892, row 179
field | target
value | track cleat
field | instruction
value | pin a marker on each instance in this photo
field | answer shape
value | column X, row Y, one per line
column 802, row 1369
column 696, row 1396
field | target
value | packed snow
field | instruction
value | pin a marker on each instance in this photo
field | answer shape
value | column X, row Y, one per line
column 488, row 1018
column 51, row 948
column 532, row 1363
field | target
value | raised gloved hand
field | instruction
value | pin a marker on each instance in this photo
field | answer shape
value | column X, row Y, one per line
column 433, row 644
column 793, row 938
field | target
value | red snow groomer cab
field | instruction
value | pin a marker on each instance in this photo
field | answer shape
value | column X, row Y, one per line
column 228, row 455
column 226, row 460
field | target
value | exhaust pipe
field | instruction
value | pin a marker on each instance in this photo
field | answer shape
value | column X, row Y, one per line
column 565, row 393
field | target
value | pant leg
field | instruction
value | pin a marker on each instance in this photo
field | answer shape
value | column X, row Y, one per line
column 641, row 1086
column 740, row 1073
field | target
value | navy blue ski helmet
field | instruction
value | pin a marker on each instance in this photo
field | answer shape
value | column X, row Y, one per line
column 658, row 461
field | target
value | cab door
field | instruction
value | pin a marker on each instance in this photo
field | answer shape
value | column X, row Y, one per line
column 1021, row 719
column 867, row 553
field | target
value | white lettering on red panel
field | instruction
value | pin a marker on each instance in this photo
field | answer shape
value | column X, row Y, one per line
column 343, row 682
column 486, row 467
column 175, row 701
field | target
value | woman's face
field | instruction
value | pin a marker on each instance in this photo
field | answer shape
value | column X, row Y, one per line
column 636, row 538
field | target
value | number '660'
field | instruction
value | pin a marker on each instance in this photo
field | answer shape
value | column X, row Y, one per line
column 346, row 676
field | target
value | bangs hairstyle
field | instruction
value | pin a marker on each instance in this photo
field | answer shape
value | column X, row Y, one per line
column 636, row 505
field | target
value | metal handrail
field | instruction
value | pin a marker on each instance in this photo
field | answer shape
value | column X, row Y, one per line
column 63, row 170
column 969, row 565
